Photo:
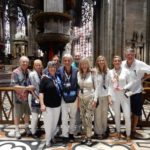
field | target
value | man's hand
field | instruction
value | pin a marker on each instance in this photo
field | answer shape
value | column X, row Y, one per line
column 30, row 88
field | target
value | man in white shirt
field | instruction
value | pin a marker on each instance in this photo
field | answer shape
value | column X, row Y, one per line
column 137, row 70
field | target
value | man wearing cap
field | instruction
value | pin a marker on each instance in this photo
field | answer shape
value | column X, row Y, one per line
column 137, row 70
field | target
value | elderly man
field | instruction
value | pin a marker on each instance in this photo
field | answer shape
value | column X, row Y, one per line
column 20, row 82
column 68, row 75
column 137, row 70
column 77, row 57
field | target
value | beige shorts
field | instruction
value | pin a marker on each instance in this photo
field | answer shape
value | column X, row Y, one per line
column 21, row 109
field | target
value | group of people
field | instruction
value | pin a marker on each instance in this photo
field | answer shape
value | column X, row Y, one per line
column 80, row 94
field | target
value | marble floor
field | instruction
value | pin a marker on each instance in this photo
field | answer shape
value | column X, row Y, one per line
column 8, row 142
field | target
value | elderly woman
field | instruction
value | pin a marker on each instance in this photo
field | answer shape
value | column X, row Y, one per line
column 119, row 82
column 50, row 100
column 86, row 97
column 101, row 94
column 35, row 78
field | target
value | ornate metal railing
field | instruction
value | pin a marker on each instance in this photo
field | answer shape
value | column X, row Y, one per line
column 7, row 107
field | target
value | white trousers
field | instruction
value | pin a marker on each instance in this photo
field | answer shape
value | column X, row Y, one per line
column 100, row 116
column 50, row 116
column 34, row 122
column 69, row 111
column 124, row 102
column 34, row 115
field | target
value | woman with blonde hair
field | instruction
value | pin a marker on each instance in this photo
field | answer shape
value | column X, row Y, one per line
column 101, row 94
column 119, row 82
column 86, row 97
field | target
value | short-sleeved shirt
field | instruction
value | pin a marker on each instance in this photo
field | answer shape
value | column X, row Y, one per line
column 51, row 91
column 21, row 78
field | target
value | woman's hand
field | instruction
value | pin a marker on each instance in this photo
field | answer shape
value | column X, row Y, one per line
column 119, row 88
column 78, row 103
column 93, row 104
column 43, row 107
column 110, row 100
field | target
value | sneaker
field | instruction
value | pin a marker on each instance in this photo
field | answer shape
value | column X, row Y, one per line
column 95, row 136
column 47, row 145
column 118, row 136
column 83, row 141
column 71, row 138
column 128, row 139
column 53, row 141
column 136, row 135
column 89, row 142
column 28, row 132
column 105, row 135
column 65, row 139
column 100, row 136
column 124, row 133
column 35, row 136
column 17, row 135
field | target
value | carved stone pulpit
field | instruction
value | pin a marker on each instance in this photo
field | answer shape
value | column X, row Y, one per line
column 53, row 27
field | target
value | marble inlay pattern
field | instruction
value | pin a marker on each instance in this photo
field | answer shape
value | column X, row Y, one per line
column 8, row 142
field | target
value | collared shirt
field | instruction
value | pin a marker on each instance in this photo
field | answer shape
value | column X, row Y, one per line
column 123, row 81
column 21, row 78
column 101, row 84
column 137, row 71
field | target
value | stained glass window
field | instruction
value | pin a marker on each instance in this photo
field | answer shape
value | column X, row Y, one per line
column 82, row 36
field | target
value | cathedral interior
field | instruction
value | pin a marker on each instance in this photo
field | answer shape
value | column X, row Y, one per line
column 43, row 28
column 40, row 29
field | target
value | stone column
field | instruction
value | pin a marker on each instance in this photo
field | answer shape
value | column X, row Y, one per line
column 13, row 20
column 53, row 6
column 118, row 35
column 102, row 29
column 32, row 44
column 148, row 33
column 1, row 14
column 96, row 28
column 1, row 27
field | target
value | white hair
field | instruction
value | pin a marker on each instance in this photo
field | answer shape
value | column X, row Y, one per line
column 130, row 50
column 23, row 58
column 67, row 56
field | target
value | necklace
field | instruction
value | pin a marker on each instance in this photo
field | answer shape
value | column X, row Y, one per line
column 116, row 77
